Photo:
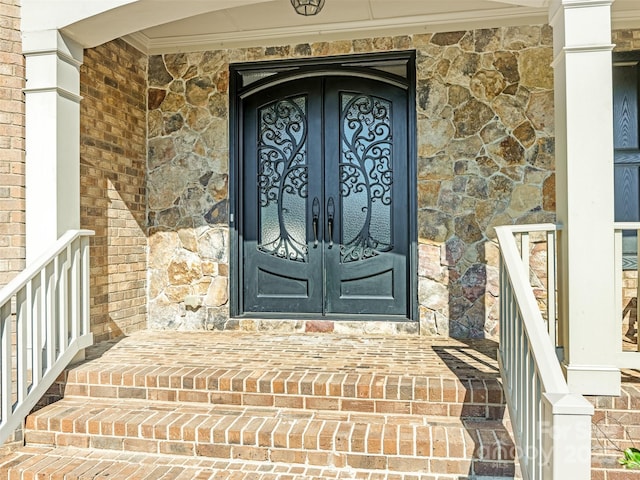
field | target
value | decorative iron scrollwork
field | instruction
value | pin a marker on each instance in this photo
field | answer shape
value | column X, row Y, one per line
column 283, row 178
column 366, row 176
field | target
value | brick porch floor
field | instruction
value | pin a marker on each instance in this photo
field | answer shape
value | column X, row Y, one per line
column 254, row 405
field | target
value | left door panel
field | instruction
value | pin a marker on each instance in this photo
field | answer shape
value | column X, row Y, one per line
column 281, row 152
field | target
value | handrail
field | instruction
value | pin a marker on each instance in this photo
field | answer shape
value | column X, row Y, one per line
column 44, row 324
column 523, row 232
column 541, row 349
column 34, row 268
column 552, row 426
column 533, row 227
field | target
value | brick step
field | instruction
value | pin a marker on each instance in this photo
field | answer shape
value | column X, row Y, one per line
column 71, row 463
column 402, row 443
column 244, row 368
column 372, row 393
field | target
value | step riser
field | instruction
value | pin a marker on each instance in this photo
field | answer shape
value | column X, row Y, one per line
column 468, row 410
column 296, row 452
column 260, row 434
column 127, row 466
column 434, row 396
column 328, row 436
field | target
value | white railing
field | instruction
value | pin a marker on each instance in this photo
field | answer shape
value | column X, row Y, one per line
column 552, row 427
column 626, row 359
column 546, row 232
column 44, row 324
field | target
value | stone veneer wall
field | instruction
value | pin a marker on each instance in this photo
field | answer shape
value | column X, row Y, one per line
column 112, row 185
column 485, row 158
column 12, row 167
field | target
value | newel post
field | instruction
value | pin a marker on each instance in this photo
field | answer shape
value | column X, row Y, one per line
column 566, row 450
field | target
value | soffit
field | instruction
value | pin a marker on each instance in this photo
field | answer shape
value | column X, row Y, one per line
column 275, row 22
column 246, row 23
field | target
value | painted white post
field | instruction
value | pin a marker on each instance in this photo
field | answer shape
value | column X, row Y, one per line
column 584, row 190
column 52, row 97
column 566, row 448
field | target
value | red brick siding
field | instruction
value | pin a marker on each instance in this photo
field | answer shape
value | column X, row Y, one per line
column 12, row 202
column 112, row 185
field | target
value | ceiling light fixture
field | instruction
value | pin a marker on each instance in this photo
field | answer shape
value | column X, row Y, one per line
column 307, row 7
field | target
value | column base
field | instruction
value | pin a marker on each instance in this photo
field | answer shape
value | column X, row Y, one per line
column 593, row 379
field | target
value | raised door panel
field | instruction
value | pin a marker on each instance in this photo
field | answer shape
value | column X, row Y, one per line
column 625, row 106
column 627, row 193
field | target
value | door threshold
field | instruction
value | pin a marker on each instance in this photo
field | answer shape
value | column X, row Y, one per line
column 342, row 327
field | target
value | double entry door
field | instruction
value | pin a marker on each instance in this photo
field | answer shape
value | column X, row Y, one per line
column 626, row 139
column 325, row 198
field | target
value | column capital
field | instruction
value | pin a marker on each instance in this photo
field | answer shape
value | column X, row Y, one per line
column 52, row 41
column 52, row 63
column 580, row 25
column 556, row 4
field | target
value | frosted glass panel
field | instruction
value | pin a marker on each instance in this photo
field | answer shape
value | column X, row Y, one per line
column 282, row 178
column 366, row 176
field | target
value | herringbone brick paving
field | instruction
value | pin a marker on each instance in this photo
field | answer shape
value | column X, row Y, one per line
column 368, row 407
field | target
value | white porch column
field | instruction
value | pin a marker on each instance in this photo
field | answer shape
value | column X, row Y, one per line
column 584, row 190
column 52, row 97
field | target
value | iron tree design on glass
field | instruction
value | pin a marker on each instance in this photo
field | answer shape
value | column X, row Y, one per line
column 283, row 178
column 366, row 176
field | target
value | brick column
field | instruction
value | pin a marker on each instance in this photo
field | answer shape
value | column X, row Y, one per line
column 12, row 203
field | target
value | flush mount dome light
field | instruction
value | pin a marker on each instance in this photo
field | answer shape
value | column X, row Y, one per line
column 307, row 7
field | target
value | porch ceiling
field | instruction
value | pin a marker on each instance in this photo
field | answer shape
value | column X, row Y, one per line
column 198, row 25
column 275, row 21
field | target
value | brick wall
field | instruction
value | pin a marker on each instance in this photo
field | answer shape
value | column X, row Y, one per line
column 112, row 188
column 12, row 203
column 626, row 40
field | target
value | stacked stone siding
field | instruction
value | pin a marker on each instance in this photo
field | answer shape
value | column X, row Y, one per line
column 12, row 191
column 113, row 195
column 485, row 158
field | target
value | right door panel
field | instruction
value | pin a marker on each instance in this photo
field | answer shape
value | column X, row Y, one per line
column 366, row 197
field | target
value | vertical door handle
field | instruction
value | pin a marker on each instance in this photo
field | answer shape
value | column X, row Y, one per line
column 331, row 210
column 315, row 210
